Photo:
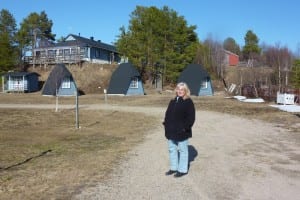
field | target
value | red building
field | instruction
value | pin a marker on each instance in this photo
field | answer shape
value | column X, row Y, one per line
column 231, row 59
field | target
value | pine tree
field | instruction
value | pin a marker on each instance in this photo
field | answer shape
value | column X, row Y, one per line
column 8, row 53
column 251, row 49
column 158, row 38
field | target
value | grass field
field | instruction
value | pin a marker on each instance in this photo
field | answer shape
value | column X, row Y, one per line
column 43, row 156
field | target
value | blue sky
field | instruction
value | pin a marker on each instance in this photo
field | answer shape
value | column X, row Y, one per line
column 273, row 21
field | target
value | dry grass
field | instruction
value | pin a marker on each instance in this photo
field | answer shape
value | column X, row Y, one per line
column 74, row 158
column 82, row 157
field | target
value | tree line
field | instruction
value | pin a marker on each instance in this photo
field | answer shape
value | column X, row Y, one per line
column 15, row 42
column 158, row 41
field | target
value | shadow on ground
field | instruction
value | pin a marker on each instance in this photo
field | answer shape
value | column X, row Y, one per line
column 192, row 154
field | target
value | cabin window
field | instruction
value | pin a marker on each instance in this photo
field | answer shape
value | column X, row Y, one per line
column 134, row 82
column 60, row 52
column 204, row 84
column 17, row 79
column 66, row 83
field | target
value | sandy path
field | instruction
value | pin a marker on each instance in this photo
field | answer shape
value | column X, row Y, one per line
column 231, row 158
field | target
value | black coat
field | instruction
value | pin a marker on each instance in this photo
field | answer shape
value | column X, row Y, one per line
column 179, row 119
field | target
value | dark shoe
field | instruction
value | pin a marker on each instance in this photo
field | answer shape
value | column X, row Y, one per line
column 179, row 174
column 170, row 172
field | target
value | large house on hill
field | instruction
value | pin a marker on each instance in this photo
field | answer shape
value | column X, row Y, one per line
column 74, row 49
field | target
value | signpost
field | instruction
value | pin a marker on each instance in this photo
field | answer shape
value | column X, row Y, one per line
column 76, row 110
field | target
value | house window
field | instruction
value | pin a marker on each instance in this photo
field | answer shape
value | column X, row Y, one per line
column 66, row 83
column 204, row 84
column 83, row 52
column 134, row 83
column 97, row 53
column 73, row 51
column 60, row 52
column 38, row 53
column 67, row 52
column 51, row 53
column 43, row 53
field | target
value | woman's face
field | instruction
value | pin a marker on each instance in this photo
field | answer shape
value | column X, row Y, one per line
column 180, row 91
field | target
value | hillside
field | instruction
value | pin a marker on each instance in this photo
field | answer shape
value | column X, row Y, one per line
column 248, row 75
column 90, row 78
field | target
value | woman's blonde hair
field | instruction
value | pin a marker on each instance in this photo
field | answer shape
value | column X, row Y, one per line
column 186, row 89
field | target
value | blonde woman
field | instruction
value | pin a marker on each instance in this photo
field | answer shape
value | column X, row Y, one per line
column 178, row 122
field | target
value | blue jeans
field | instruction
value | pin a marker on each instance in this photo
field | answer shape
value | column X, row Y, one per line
column 179, row 155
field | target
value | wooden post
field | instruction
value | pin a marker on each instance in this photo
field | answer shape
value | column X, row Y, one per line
column 105, row 95
column 23, row 83
column 56, row 98
column 8, row 85
column 3, row 84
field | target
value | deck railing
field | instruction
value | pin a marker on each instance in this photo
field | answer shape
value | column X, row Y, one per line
column 73, row 58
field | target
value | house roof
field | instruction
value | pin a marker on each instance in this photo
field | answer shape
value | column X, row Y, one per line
column 230, row 53
column 193, row 75
column 121, row 78
column 56, row 76
column 20, row 74
column 75, row 40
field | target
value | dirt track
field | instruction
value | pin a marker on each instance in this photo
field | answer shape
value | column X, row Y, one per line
column 230, row 158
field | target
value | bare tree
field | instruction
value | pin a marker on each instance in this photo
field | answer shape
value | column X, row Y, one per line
column 280, row 59
column 216, row 56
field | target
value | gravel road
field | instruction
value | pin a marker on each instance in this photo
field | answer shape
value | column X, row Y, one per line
column 230, row 158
